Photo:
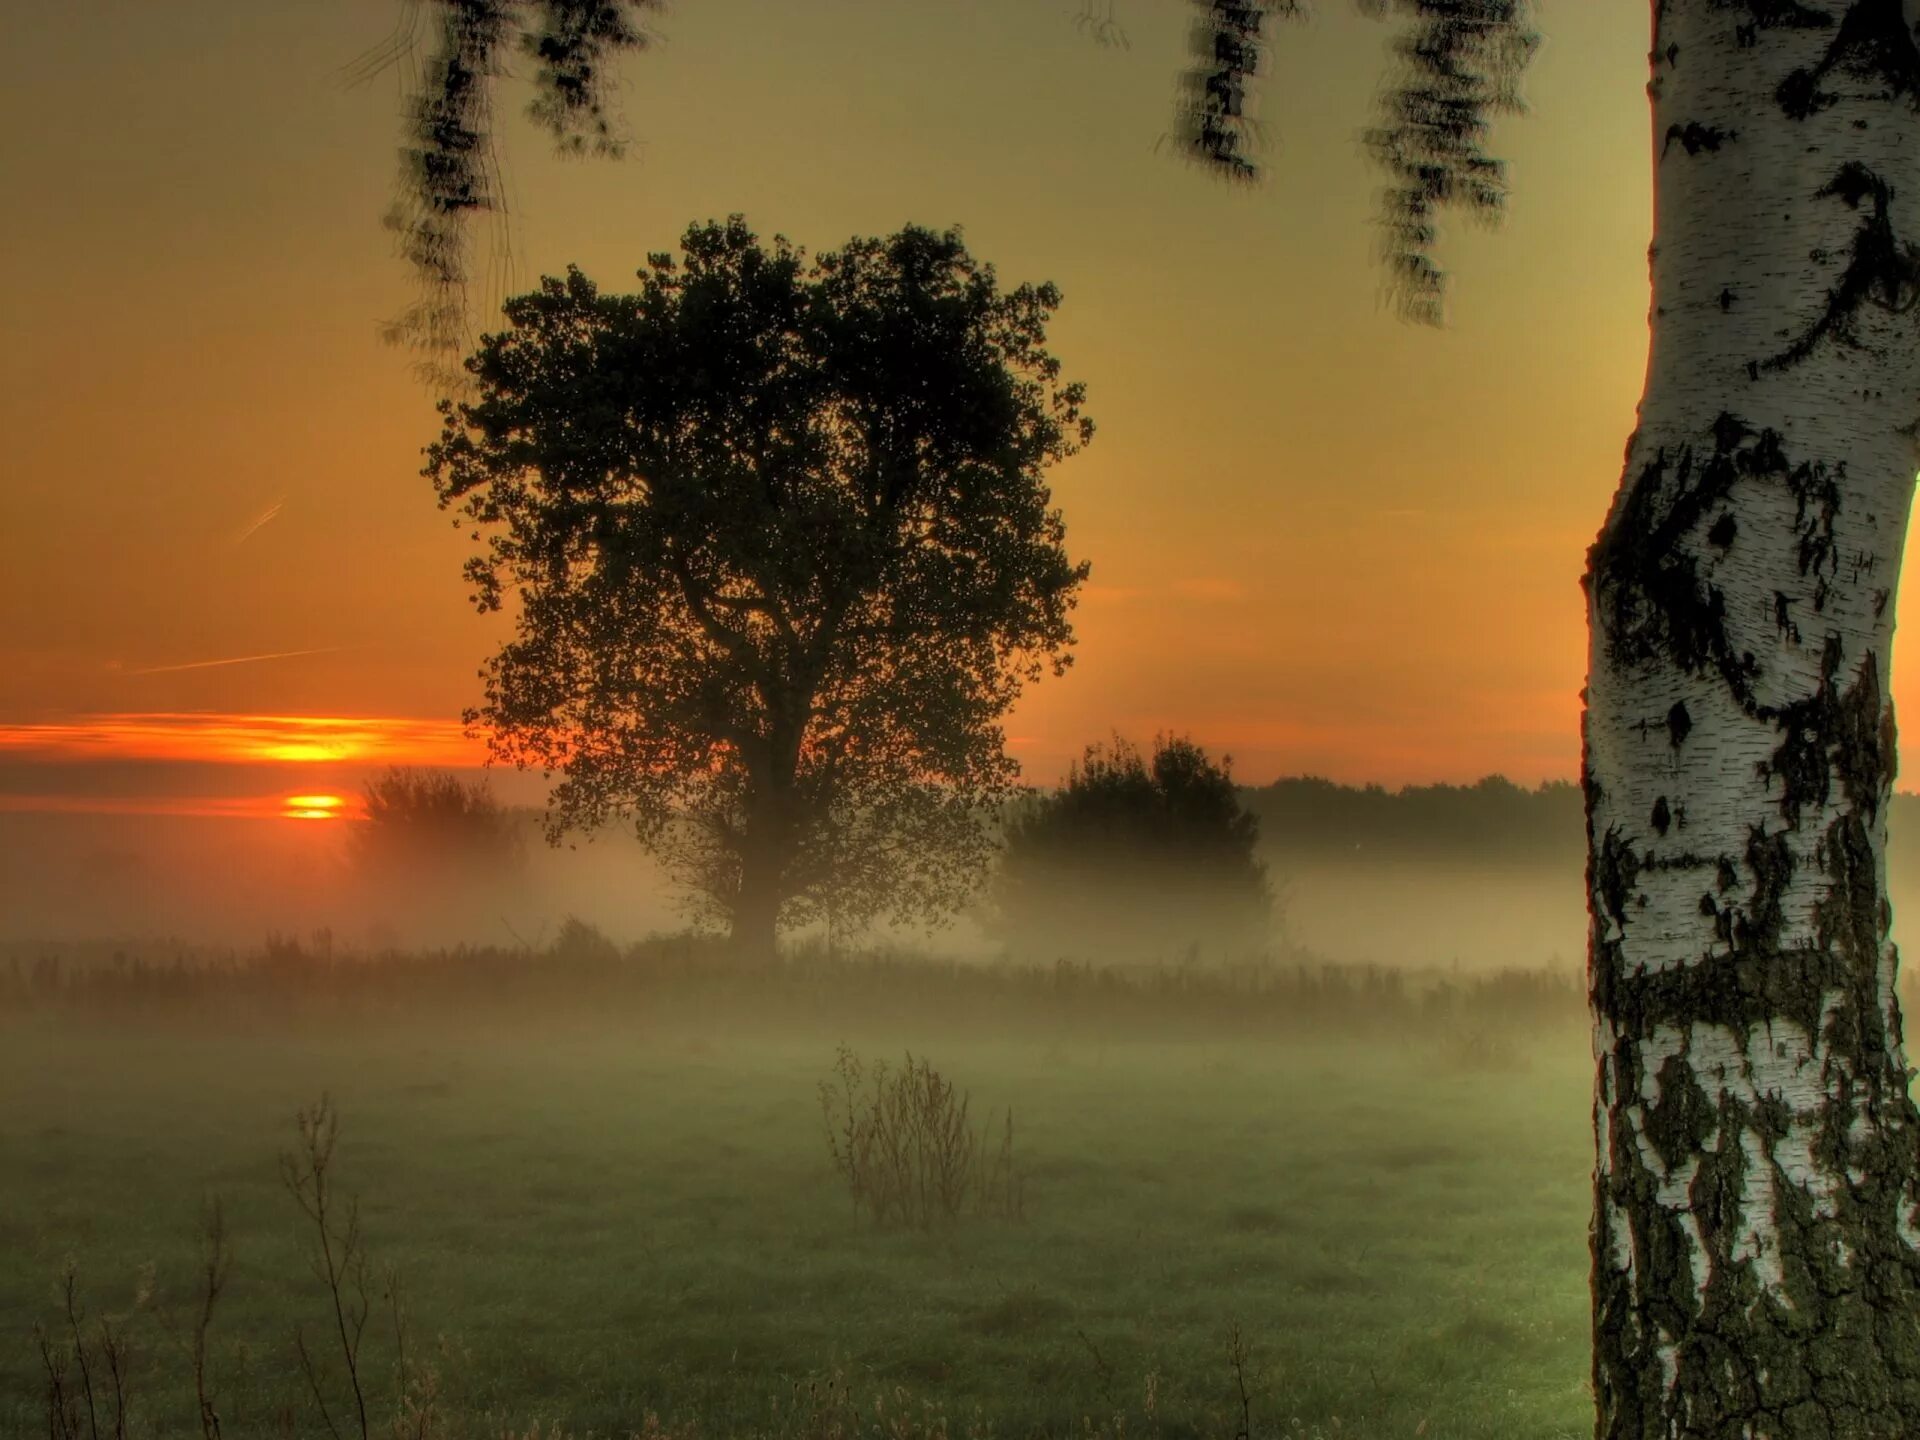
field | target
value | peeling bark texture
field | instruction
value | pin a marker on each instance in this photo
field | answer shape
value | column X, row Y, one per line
column 1756, row 1232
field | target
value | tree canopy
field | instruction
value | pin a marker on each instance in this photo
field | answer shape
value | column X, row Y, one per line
column 1135, row 857
column 783, row 557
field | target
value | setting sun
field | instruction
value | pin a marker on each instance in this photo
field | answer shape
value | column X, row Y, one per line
column 313, row 807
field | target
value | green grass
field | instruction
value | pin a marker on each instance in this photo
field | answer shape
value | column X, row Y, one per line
column 628, row 1207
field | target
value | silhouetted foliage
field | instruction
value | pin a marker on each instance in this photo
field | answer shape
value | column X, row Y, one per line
column 1135, row 857
column 784, row 555
column 428, row 843
column 582, row 943
column 410, row 812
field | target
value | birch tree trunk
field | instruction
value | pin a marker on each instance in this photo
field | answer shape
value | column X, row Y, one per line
column 1756, row 1233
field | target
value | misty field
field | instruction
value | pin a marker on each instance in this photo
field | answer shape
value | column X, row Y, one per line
column 612, row 1197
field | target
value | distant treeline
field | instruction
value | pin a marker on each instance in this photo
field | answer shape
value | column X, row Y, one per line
column 1491, row 821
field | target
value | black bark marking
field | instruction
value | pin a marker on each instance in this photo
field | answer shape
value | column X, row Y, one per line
column 1831, row 733
column 1685, row 860
column 1656, row 603
column 1754, row 980
column 1882, row 269
column 1662, row 817
column 1872, row 44
column 1782, row 621
column 1618, row 871
column 1695, row 137
column 1681, row 1118
column 1679, row 724
column 1866, row 747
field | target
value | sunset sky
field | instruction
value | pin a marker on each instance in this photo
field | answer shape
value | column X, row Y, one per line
column 1322, row 540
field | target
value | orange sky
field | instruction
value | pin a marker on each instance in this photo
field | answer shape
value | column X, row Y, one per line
column 1322, row 540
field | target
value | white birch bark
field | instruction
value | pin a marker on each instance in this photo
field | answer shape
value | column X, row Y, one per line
column 1756, row 1240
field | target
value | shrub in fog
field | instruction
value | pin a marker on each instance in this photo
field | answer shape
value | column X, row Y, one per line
column 580, row 942
column 431, row 849
column 902, row 1141
column 1136, row 857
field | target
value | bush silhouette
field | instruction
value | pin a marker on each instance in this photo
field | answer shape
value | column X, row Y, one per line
column 1136, row 858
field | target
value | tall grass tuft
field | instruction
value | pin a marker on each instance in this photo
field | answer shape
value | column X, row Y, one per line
column 902, row 1141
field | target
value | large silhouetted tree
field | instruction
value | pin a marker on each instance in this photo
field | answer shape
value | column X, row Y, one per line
column 783, row 558
column 1756, row 1235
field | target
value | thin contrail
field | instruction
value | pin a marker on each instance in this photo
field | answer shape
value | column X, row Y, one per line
column 261, row 519
column 234, row 660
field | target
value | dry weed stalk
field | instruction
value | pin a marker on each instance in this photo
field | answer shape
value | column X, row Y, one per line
column 1237, row 1362
column 75, row 1414
column 339, row 1260
column 216, row 1257
column 88, row 1368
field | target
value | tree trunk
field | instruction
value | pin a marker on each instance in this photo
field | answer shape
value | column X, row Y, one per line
column 756, row 912
column 1756, row 1233
column 766, row 849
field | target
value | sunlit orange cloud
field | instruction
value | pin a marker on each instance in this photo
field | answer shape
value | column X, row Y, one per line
column 276, row 806
column 245, row 739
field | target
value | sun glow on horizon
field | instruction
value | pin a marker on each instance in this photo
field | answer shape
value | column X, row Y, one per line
column 313, row 807
column 272, row 766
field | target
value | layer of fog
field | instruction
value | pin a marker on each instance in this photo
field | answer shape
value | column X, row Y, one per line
column 232, row 884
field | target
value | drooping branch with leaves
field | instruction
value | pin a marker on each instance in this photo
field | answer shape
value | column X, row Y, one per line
column 1459, row 67
column 450, row 168
column 1459, row 64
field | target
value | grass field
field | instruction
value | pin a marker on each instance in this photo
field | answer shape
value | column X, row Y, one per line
column 615, row 1200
